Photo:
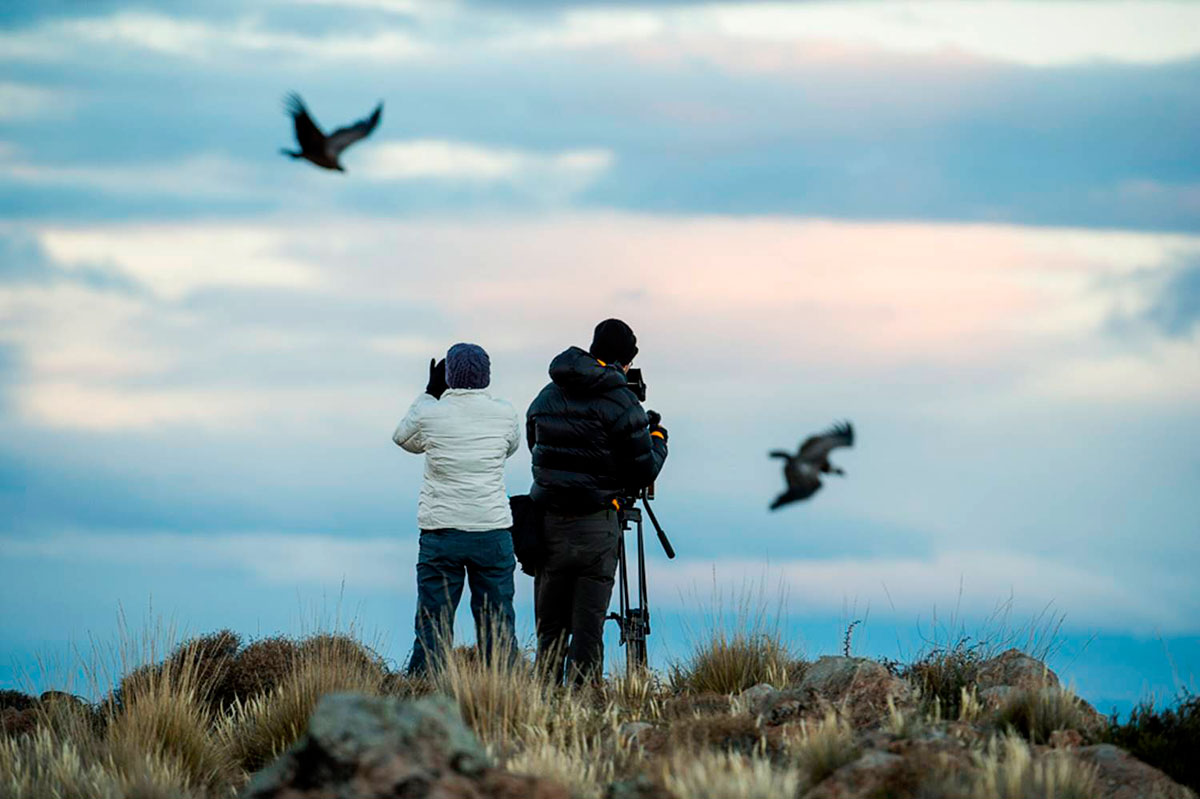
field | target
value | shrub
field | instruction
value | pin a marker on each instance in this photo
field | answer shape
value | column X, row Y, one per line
column 941, row 675
column 258, row 669
column 1035, row 713
column 15, row 700
column 212, row 656
column 1168, row 739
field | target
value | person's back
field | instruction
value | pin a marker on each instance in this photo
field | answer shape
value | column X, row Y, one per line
column 592, row 442
column 466, row 435
column 589, row 436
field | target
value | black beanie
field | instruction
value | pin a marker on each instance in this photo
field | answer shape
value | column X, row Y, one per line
column 614, row 342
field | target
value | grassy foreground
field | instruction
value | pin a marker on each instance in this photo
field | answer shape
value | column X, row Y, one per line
column 197, row 720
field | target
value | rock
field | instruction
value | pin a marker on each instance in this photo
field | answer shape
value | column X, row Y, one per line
column 1066, row 739
column 995, row 697
column 867, row 776
column 858, row 686
column 630, row 730
column 362, row 747
column 756, row 695
column 53, row 697
column 640, row 787
column 1014, row 668
column 1122, row 776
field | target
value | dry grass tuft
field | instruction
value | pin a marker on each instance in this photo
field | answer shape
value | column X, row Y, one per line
column 167, row 718
column 499, row 699
column 736, row 650
column 822, row 748
column 707, row 774
column 45, row 766
column 260, row 728
column 1008, row 770
column 584, row 764
column 1035, row 713
column 731, row 662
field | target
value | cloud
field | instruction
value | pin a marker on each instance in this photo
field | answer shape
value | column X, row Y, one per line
column 21, row 101
column 176, row 260
column 205, row 176
column 275, row 558
column 197, row 39
column 908, row 588
column 549, row 176
column 1175, row 309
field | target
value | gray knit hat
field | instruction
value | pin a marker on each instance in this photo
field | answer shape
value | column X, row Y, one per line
column 468, row 366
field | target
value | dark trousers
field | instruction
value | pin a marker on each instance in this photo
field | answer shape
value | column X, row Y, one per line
column 488, row 562
column 571, row 594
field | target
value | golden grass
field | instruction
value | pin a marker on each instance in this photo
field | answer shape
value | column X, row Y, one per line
column 708, row 774
column 257, row 730
column 1036, row 713
column 821, row 748
column 1008, row 770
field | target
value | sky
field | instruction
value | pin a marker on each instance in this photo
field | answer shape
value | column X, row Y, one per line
column 973, row 229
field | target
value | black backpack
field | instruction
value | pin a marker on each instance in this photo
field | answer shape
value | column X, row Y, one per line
column 529, row 519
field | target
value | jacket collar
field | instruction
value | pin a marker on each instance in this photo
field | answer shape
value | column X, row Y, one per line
column 464, row 392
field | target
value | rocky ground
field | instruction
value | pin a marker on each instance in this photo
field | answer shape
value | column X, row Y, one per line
column 324, row 717
column 848, row 728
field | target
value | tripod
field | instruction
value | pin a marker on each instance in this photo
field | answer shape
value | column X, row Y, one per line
column 635, row 621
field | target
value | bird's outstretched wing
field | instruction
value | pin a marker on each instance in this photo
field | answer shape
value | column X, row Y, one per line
column 342, row 138
column 817, row 447
column 308, row 135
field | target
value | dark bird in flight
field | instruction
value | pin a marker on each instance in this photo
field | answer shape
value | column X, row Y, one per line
column 318, row 148
column 803, row 470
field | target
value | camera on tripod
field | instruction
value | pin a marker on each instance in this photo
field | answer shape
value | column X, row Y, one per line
column 634, row 621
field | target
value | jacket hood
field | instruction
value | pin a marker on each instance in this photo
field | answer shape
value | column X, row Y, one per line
column 576, row 371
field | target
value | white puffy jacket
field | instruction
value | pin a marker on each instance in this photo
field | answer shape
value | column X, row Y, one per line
column 466, row 437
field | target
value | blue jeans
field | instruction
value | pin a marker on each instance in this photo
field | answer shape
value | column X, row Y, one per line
column 487, row 560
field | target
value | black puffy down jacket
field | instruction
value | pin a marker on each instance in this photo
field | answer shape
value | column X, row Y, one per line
column 589, row 436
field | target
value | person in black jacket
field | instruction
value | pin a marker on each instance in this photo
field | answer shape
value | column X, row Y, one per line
column 592, row 442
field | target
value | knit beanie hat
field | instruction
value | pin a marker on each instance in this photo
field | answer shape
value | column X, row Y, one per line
column 468, row 366
column 614, row 342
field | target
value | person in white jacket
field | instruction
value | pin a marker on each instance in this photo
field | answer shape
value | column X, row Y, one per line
column 466, row 436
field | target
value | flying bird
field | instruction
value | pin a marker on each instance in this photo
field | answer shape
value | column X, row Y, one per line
column 315, row 146
column 803, row 470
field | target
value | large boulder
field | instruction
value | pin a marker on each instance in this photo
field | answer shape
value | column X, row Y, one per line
column 1119, row 775
column 363, row 747
column 859, row 687
column 1014, row 669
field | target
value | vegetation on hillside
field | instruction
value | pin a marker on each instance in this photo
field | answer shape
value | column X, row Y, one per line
column 196, row 720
